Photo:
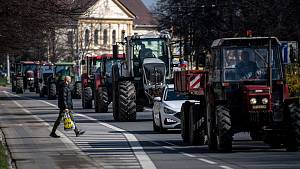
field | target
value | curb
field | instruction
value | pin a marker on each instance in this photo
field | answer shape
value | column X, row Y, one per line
column 11, row 163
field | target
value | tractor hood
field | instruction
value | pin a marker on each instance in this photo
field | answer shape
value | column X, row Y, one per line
column 154, row 71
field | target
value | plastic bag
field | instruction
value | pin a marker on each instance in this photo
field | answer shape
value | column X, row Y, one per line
column 68, row 122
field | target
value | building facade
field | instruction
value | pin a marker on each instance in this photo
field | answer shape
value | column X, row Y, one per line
column 102, row 24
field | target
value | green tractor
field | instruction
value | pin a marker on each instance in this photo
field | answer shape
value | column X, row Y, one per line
column 61, row 70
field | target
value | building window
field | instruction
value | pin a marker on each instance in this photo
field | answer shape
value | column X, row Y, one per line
column 87, row 37
column 122, row 35
column 113, row 37
column 70, row 37
column 105, row 37
column 96, row 37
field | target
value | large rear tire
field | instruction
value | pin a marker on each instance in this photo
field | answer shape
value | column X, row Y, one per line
column 52, row 91
column 185, row 107
column 13, row 85
column 196, row 125
column 19, row 86
column 224, row 136
column 87, row 98
column 211, row 124
column 101, row 100
column 293, row 135
column 77, row 91
column 127, row 98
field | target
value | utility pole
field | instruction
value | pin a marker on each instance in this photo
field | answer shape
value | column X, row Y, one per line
column 8, row 69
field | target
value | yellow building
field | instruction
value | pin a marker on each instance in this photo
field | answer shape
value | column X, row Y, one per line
column 101, row 24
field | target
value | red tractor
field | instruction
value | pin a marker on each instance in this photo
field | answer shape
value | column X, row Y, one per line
column 245, row 91
column 103, row 81
column 96, row 82
column 25, row 76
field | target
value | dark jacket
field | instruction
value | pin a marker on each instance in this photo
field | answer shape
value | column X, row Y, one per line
column 65, row 97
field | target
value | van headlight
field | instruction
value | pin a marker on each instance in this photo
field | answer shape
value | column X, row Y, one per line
column 265, row 101
column 253, row 101
column 169, row 111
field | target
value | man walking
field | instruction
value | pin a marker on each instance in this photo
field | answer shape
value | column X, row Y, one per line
column 65, row 104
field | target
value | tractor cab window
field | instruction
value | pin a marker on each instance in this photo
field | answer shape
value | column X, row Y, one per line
column 64, row 70
column 151, row 48
column 27, row 67
column 250, row 64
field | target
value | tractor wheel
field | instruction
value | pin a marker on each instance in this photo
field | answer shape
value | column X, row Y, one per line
column 19, row 86
column 155, row 127
column 224, row 136
column 196, row 135
column 42, row 91
column 52, row 91
column 101, row 100
column 77, row 91
column 294, row 128
column 211, row 125
column 115, row 103
column 127, row 98
column 13, row 85
column 185, row 121
column 87, row 98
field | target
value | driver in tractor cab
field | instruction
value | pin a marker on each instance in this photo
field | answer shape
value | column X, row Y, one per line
column 246, row 68
column 145, row 52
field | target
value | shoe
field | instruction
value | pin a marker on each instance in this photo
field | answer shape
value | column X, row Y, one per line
column 79, row 132
column 54, row 135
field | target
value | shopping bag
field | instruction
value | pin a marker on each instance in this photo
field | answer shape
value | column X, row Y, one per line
column 68, row 122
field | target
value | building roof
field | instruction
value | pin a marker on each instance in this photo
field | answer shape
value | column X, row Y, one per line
column 136, row 7
column 143, row 15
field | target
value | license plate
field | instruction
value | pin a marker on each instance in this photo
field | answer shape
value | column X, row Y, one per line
column 259, row 106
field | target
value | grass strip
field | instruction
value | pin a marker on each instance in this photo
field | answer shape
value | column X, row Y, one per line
column 3, row 157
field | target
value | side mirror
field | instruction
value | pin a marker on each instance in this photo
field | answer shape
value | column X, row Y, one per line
column 157, row 99
column 83, row 62
column 115, row 51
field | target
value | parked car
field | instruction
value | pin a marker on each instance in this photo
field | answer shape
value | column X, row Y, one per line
column 166, row 110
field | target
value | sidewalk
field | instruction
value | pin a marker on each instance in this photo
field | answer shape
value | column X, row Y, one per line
column 29, row 143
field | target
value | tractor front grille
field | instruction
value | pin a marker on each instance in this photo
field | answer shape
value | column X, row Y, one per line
column 260, row 118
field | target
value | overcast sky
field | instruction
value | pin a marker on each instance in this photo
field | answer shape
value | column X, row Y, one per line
column 149, row 3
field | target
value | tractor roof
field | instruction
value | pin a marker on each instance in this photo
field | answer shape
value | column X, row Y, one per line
column 109, row 56
column 151, row 35
column 245, row 41
column 30, row 62
column 65, row 63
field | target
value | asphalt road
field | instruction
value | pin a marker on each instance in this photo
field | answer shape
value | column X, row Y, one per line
column 110, row 144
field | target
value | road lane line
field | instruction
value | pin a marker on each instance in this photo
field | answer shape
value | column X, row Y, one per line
column 137, row 149
column 207, row 161
column 189, row 155
column 225, row 167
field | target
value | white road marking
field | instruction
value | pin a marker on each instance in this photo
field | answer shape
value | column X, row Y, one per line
column 189, row 155
column 225, row 167
column 138, row 150
column 207, row 161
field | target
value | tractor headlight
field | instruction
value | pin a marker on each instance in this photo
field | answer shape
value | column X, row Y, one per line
column 169, row 111
column 265, row 101
column 253, row 101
